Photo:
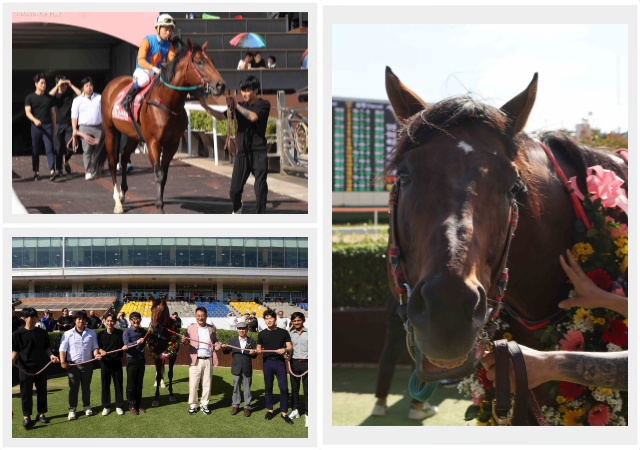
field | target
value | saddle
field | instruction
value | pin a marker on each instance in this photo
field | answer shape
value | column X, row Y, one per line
column 508, row 410
column 118, row 113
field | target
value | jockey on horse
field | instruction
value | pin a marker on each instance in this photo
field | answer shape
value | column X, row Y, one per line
column 153, row 50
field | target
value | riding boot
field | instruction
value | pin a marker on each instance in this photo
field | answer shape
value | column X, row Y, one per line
column 129, row 97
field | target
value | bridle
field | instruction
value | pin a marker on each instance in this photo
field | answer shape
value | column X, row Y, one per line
column 403, row 289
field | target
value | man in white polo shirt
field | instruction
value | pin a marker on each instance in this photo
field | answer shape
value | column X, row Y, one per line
column 86, row 118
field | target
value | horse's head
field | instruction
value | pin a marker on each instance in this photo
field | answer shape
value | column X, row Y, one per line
column 457, row 169
column 202, row 69
column 159, row 314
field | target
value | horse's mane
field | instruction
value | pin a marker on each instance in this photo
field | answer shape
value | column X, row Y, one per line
column 441, row 116
column 168, row 70
column 583, row 157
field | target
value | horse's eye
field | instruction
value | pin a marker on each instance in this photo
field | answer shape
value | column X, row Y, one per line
column 404, row 178
column 517, row 187
column 199, row 63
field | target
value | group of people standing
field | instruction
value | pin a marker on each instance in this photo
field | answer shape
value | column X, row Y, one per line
column 80, row 346
column 57, row 117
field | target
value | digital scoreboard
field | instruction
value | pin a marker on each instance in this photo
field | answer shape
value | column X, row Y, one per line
column 364, row 135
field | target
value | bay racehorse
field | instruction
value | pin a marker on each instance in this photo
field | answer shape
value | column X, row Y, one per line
column 461, row 167
column 163, row 119
column 160, row 340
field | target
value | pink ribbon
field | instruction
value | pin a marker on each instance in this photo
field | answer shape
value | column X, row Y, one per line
column 605, row 185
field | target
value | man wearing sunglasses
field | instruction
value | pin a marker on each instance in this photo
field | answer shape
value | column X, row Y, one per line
column 31, row 351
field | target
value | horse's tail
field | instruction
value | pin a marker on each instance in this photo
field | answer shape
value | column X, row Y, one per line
column 97, row 159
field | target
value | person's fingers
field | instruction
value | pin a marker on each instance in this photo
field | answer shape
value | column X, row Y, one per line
column 488, row 360
column 491, row 374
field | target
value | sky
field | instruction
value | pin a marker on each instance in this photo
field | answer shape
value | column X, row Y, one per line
column 581, row 69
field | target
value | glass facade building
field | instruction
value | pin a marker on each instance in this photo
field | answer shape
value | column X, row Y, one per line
column 78, row 252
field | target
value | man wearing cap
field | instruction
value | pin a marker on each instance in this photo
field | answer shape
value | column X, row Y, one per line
column 299, row 365
column 241, row 367
column 48, row 321
column 77, row 346
column 203, row 342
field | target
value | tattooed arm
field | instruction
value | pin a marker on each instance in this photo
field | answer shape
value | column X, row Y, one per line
column 253, row 117
column 604, row 370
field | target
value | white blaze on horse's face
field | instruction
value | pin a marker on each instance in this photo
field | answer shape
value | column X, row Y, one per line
column 464, row 146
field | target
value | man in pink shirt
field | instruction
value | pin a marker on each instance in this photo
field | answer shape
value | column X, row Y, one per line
column 202, row 357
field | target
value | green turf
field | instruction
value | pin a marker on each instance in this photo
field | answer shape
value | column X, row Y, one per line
column 170, row 420
column 353, row 400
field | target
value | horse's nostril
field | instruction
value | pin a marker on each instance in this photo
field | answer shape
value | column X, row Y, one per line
column 220, row 86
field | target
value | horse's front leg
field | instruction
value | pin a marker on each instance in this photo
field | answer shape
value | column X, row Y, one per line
column 172, row 361
column 159, row 364
column 158, row 173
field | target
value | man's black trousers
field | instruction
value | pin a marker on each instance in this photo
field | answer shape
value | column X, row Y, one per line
column 243, row 166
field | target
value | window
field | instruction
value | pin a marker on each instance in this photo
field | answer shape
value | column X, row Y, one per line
column 182, row 252
column 29, row 253
column 112, row 252
column 16, row 253
column 71, row 255
column 264, row 252
column 224, row 252
column 303, row 253
column 139, row 251
column 237, row 252
column 126, row 251
column 291, row 253
column 168, row 252
column 277, row 253
column 195, row 252
column 209, row 252
column 84, row 251
column 154, row 252
column 98, row 254
column 250, row 252
column 56, row 252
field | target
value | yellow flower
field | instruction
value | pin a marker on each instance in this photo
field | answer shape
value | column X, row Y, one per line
column 508, row 336
column 626, row 322
column 592, row 387
column 606, row 391
column 481, row 424
column 623, row 246
column 580, row 314
column 600, row 321
column 492, row 422
column 625, row 263
column 560, row 399
column 591, row 318
column 562, row 408
column 570, row 417
column 581, row 251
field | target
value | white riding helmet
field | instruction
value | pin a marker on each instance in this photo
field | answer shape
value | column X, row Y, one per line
column 164, row 20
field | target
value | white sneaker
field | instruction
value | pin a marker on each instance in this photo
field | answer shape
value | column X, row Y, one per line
column 294, row 414
column 72, row 415
column 306, row 421
column 89, row 176
column 129, row 167
column 424, row 413
column 239, row 211
column 118, row 168
column 105, row 411
column 379, row 409
column 120, row 411
column 88, row 412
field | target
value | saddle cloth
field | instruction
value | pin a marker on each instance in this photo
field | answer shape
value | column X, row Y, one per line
column 119, row 113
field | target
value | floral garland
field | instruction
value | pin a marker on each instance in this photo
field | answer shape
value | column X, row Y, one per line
column 173, row 342
column 602, row 252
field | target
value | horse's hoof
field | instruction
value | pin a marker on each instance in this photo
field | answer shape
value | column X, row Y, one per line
column 121, row 197
column 172, row 398
column 155, row 403
column 118, row 209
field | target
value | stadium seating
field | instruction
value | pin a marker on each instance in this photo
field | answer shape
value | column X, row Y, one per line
column 248, row 307
column 143, row 307
column 287, row 309
column 214, row 309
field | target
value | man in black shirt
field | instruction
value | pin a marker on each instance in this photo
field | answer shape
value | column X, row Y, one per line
column 31, row 351
column 93, row 321
column 40, row 110
column 177, row 319
column 134, row 340
column 274, row 338
column 62, row 98
column 251, row 146
column 65, row 321
column 253, row 324
column 111, row 367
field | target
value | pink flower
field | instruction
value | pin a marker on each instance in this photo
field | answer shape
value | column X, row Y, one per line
column 619, row 291
column 573, row 341
column 616, row 232
column 605, row 185
column 478, row 400
column 164, row 356
column 599, row 415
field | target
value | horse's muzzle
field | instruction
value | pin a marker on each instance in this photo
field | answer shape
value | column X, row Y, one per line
column 216, row 90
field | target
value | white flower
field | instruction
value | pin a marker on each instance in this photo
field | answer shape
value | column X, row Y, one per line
column 613, row 347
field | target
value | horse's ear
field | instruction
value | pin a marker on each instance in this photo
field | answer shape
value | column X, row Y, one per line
column 519, row 107
column 405, row 102
column 189, row 45
column 204, row 47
